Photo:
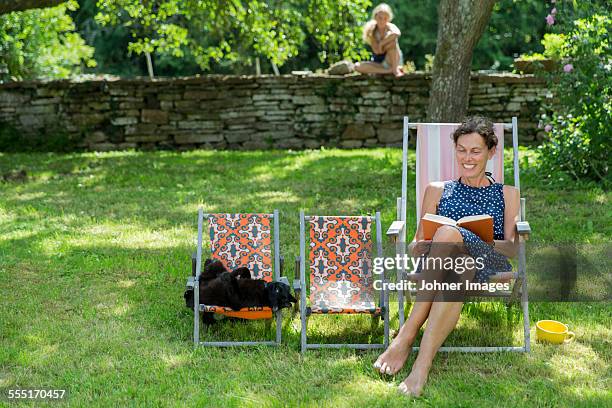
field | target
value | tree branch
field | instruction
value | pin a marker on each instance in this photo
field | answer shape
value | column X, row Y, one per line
column 8, row 6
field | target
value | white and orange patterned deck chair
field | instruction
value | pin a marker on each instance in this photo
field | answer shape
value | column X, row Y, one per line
column 340, row 272
column 435, row 161
column 239, row 240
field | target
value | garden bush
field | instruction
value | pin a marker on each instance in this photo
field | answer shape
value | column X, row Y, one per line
column 580, row 125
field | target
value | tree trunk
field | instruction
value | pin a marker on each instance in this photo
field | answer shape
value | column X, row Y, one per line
column 8, row 6
column 460, row 25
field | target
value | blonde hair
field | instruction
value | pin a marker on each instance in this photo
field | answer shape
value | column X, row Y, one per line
column 368, row 28
column 385, row 8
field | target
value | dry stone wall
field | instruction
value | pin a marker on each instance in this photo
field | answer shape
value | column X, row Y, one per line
column 246, row 112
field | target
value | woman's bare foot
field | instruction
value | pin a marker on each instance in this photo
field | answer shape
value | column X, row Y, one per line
column 399, row 72
column 395, row 356
column 414, row 383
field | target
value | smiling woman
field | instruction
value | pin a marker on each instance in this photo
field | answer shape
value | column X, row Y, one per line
column 473, row 193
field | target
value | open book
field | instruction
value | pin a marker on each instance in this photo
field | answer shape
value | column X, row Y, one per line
column 481, row 225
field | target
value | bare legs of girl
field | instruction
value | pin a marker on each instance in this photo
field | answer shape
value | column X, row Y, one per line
column 392, row 59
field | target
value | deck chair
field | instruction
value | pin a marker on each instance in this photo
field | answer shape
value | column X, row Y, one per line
column 435, row 162
column 239, row 240
column 340, row 268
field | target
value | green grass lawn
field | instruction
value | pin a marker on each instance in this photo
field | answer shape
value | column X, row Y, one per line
column 94, row 254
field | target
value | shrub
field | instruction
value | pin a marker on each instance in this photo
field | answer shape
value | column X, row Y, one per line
column 581, row 126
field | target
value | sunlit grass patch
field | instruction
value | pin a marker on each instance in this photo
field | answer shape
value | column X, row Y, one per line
column 95, row 250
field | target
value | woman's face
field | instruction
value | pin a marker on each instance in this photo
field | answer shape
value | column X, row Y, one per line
column 382, row 19
column 472, row 154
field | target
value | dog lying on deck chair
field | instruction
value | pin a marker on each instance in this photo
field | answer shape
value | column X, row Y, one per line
column 237, row 290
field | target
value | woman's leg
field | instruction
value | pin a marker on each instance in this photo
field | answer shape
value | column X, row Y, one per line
column 369, row 67
column 443, row 317
column 393, row 58
column 394, row 358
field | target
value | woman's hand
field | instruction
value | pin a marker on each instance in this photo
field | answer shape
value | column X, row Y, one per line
column 420, row 247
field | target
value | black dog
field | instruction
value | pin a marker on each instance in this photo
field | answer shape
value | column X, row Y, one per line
column 236, row 290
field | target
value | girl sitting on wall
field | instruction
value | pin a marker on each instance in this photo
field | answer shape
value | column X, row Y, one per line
column 382, row 37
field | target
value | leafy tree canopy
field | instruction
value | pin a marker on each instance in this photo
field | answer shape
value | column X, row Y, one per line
column 237, row 31
column 42, row 43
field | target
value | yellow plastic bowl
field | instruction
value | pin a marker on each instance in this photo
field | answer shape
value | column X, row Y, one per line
column 551, row 331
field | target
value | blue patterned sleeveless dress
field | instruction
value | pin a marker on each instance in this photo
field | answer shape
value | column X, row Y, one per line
column 460, row 200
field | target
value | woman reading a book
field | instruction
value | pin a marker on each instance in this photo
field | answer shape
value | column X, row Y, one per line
column 473, row 193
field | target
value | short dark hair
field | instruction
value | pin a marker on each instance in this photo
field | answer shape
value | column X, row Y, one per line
column 480, row 125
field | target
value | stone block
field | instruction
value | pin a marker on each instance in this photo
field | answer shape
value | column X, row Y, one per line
column 96, row 137
column 198, row 125
column 48, row 92
column 116, row 91
column 292, row 143
column 367, row 117
column 192, row 105
column 154, row 116
column 389, row 134
column 46, row 101
column 238, row 136
column 513, row 107
column 276, row 134
column 124, row 120
column 131, row 105
column 358, row 132
column 261, row 97
column 266, row 104
column 314, row 117
column 370, row 143
column 197, row 138
column 351, row 144
column 200, row 95
column 307, row 100
column 140, row 128
column 150, row 138
column 103, row 147
column 313, row 143
column 166, row 105
column 376, row 95
column 169, row 96
column 373, row 110
column 315, row 109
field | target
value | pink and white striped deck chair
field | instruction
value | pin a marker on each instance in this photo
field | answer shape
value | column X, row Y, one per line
column 435, row 161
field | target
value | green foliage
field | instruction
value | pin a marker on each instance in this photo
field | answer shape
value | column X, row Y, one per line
column 336, row 25
column 418, row 22
column 42, row 43
column 580, row 129
column 553, row 48
column 211, row 30
column 514, row 28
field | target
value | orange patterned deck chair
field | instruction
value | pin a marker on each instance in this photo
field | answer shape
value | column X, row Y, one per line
column 239, row 240
column 340, row 272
